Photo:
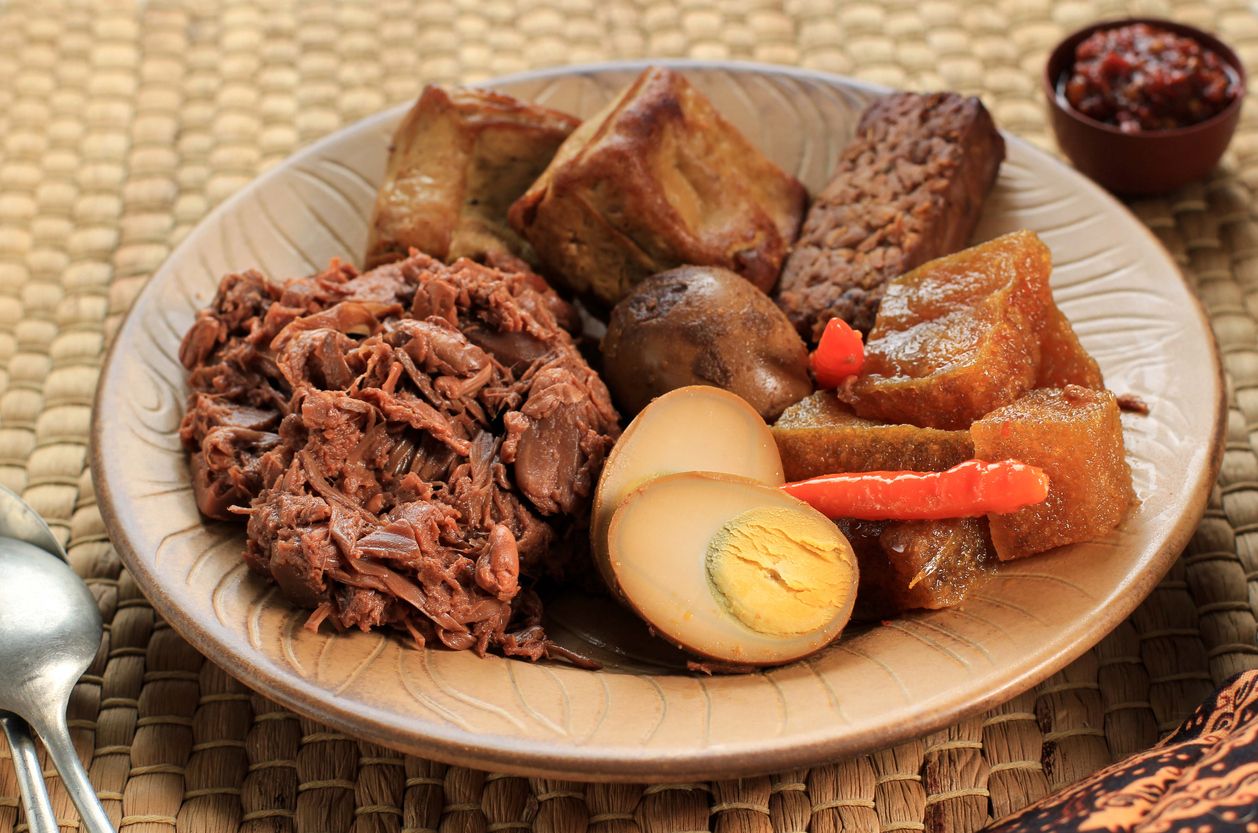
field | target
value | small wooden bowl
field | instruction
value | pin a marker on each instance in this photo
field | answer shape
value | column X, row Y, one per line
column 1151, row 161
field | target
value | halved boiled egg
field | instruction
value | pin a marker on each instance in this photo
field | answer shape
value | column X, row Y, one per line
column 731, row 569
column 695, row 428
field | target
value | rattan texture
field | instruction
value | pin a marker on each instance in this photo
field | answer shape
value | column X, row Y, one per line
column 123, row 123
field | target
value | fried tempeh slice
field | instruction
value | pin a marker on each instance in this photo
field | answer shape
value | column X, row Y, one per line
column 459, row 159
column 908, row 188
column 957, row 337
column 820, row 435
column 1075, row 435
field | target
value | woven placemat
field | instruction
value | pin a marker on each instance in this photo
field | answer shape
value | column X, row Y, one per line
column 122, row 123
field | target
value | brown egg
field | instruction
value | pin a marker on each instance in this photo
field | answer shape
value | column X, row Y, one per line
column 697, row 428
column 702, row 325
column 732, row 570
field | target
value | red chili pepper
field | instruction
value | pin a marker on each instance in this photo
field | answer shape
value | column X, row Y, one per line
column 839, row 354
column 968, row 490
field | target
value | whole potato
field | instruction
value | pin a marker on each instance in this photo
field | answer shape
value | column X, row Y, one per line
column 703, row 325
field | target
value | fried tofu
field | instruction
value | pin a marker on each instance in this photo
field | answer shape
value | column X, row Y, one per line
column 820, row 435
column 1075, row 435
column 959, row 336
column 458, row 160
column 658, row 179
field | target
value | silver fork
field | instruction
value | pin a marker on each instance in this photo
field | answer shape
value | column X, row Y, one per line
column 30, row 780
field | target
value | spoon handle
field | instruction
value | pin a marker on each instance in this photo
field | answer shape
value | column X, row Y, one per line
column 30, row 779
column 56, row 737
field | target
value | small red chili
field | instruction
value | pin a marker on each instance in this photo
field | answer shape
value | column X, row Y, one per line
column 839, row 354
column 968, row 490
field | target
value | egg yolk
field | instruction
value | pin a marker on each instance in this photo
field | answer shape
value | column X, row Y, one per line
column 778, row 572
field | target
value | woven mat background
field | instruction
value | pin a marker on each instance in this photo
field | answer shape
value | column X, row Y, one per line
column 122, row 123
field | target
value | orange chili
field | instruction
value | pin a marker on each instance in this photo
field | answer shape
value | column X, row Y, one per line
column 968, row 490
column 839, row 354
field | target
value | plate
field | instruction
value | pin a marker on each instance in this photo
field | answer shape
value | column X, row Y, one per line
column 642, row 718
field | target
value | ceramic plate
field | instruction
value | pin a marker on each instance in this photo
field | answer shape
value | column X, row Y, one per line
column 642, row 718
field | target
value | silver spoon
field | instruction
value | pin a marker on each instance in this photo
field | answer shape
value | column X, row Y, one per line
column 19, row 520
column 52, row 628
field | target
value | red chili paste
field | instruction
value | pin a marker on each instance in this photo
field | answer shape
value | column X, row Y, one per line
column 1139, row 77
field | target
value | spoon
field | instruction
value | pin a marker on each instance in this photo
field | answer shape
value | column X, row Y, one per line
column 52, row 629
column 19, row 520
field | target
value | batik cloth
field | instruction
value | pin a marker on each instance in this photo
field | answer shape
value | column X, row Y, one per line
column 1203, row 778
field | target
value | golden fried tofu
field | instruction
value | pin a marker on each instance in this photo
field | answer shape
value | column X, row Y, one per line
column 658, row 179
column 458, row 161
column 917, row 565
column 820, row 435
column 959, row 336
column 1076, row 436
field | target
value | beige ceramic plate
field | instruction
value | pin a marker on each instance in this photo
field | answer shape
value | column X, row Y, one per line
column 641, row 718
